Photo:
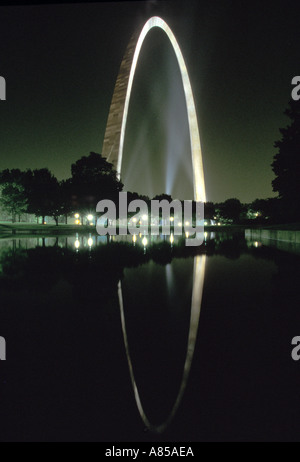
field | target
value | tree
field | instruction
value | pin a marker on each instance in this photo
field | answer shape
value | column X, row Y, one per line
column 286, row 165
column 264, row 209
column 11, row 176
column 231, row 210
column 93, row 179
column 13, row 199
column 42, row 190
column 209, row 210
column 13, row 195
column 66, row 208
column 161, row 197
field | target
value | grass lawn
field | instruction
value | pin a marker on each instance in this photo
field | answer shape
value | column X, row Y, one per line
column 35, row 228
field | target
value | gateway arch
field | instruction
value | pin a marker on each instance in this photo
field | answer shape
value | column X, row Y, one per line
column 116, row 124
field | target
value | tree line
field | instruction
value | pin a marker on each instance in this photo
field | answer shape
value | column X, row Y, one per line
column 38, row 192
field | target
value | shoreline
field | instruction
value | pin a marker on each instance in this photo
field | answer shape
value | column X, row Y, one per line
column 286, row 232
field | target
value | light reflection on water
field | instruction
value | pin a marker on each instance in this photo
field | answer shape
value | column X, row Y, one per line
column 196, row 300
column 79, row 241
column 249, row 306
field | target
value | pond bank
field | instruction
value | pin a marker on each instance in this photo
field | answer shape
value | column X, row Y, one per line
column 34, row 229
column 283, row 239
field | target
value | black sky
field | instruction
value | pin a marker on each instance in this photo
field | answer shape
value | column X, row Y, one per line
column 61, row 61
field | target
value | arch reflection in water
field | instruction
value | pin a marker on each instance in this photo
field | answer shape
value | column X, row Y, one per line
column 197, row 292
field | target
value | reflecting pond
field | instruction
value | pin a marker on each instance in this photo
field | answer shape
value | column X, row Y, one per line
column 122, row 339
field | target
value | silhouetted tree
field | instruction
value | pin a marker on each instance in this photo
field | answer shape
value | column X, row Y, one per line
column 65, row 192
column 42, row 190
column 11, row 176
column 209, row 210
column 264, row 209
column 161, row 197
column 93, row 179
column 231, row 209
column 286, row 165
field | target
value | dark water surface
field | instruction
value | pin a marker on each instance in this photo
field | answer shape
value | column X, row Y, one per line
column 148, row 341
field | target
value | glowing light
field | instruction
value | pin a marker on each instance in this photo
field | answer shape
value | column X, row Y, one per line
column 77, row 215
column 205, row 223
column 140, row 235
column 198, row 173
column 91, row 224
column 145, row 242
column 134, row 220
column 90, row 217
column 144, row 217
column 172, row 219
column 77, row 244
column 134, row 238
column 172, row 238
column 187, row 223
column 197, row 294
column 219, row 224
column 90, row 242
column 205, row 235
column 77, row 222
column 180, row 224
column 187, row 234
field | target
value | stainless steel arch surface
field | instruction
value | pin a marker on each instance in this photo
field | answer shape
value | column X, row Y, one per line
column 116, row 125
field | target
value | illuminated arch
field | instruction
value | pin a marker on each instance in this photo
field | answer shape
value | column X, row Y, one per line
column 197, row 292
column 116, row 125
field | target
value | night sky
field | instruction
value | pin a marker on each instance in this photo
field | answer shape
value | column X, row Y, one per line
column 60, row 63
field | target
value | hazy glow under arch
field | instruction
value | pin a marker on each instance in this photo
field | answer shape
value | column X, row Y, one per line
column 199, row 184
column 198, row 283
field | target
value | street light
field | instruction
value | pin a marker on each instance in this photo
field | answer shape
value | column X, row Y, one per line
column 90, row 217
